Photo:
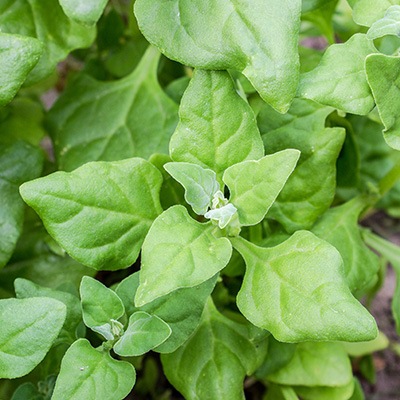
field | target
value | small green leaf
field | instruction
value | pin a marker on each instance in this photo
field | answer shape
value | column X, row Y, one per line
column 116, row 202
column 84, row 11
column 363, row 348
column 326, row 392
column 28, row 329
column 388, row 25
column 222, row 215
column 297, row 291
column 214, row 361
column 222, row 35
column 276, row 392
column 18, row 56
column 100, row 307
column 179, row 252
column 384, row 79
column 200, row 184
column 27, row 391
column 358, row 393
column 339, row 80
column 144, row 332
column 217, row 128
column 366, row 12
column 254, row 185
column 87, row 373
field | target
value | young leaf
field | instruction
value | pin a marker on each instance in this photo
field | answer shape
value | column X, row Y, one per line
column 27, row 289
column 339, row 227
column 297, row 291
column 179, row 252
column 339, row 80
column 116, row 202
column 18, row 56
column 28, row 329
column 221, row 35
column 42, row 18
column 200, row 184
column 217, row 127
column 107, row 121
column 316, row 364
column 181, row 309
column 222, row 215
column 144, row 332
column 384, row 79
column 254, row 185
column 19, row 162
column 366, row 12
column 388, row 25
column 214, row 361
column 87, row 373
column 84, row 11
column 101, row 307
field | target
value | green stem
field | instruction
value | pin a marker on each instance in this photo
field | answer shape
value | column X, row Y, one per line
column 389, row 180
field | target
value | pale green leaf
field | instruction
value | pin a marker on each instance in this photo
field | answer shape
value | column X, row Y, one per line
column 364, row 348
column 84, row 11
column 339, row 80
column 224, row 34
column 87, row 373
column 200, row 184
column 179, row 252
column 222, row 215
column 217, row 127
column 144, row 332
column 297, row 291
column 326, row 392
column 115, row 201
column 388, row 25
column 384, row 79
column 214, row 361
column 366, row 12
column 107, row 121
column 28, row 329
column 254, row 185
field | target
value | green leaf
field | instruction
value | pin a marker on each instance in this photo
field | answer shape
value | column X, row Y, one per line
column 200, row 184
column 28, row 329
column 297, row 291
column 217, row 128
column 363, row 348
column 42, row 19
column 27, row 391
column 276, row 392
column 19, row 162
column 87, row 373
column 339, row 227
column 302, row 200
column 384, row 79
column 181, row 309
column 223, row 34
column 358, row 392
column 388, row 25
column 18, row 56
column 101, row 307
column 179, row 252
column 115, row 201
column 339, row 80
column 84, row 11
column 107, row 121
column 254, row 185
column 316, row 364
column 326, row 392
column 214, row 361
column 144, row 332
column 27, row 289
column 366, row 12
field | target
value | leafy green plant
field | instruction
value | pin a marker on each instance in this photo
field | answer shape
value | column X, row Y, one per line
column 199, row 197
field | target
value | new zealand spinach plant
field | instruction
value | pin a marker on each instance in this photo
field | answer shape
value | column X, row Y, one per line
column 207, row 164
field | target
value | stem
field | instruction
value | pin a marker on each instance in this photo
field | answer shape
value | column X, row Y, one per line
column 389, row 180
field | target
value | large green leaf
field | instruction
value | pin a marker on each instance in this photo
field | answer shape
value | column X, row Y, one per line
column 339, row 227
column 19, row 162
column 179, row 252
column 388, row 25
column 46, row 21
column 254, row 185
column 303, row 200
column 181, row 309
column 116, row 202
column 28, row 329
column 384, row 79
column 217, row 127
column 230, row 34
column 87, row 373
column 214, row 361
column 18, row 56
column 366, row 12
column 84, row 11
column 339, row 80
column 297, row 291
column 107, row 121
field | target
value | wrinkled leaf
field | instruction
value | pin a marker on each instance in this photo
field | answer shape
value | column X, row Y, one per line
column 366, row 12
column 84, row 11
column 388, row 25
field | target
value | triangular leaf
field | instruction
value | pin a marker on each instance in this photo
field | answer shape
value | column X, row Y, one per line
column 84, row 11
